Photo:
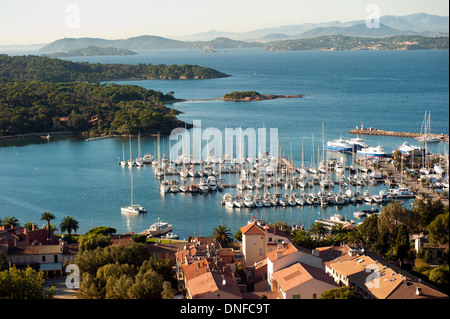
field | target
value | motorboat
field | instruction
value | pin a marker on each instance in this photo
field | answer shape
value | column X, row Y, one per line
column 373, row 152
column 406, row 148
column 148, row 158
column 339, row 145
column 203, row 186
column 357, row 143
column 248, row 201
column 170, row 235
column 164, row 186
column 238, row 201
column 158, row 228
column 359, row 214
column 212, row 183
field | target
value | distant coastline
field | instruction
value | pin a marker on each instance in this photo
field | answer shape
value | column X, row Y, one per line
column 92, row 51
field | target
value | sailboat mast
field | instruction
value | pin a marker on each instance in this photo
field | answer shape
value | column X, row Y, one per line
column 131, row 188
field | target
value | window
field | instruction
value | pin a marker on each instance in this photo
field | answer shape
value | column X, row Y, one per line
column 314, row 296
column 43, row 258
column 296, row 297
column 260, row 251
column 254, row 240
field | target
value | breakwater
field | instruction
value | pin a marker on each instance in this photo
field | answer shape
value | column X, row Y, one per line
column 375, row 131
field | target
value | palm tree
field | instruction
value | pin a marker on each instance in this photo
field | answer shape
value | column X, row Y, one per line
column 318, row 229
column 222, row 234
column 10, row 221
column 48, row 216
column 68, row 224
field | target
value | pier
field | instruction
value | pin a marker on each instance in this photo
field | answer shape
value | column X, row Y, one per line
column 375, row 131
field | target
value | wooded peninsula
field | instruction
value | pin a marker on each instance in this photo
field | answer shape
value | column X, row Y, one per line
column 42, row 94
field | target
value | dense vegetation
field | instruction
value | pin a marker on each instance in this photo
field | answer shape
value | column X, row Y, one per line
column 123, row 272
column 45, row 69
column 236, row 95
column 341, row 42
column 27, row 107
column 93, row 51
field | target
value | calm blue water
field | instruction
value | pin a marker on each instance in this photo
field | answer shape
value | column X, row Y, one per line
column 384, row 89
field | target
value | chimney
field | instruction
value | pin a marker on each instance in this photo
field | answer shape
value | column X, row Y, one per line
column 418, row 291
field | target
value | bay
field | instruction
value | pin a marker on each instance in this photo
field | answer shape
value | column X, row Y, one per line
column 389, row 90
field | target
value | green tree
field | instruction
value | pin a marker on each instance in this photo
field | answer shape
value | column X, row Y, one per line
column 438, row 230
column 104, row 230
column 238, row 236
column 4, row 264
column 369, row 229
column 48, row 216
column 402, row 243
column 18, row 284
column 168, row 292
column 341, row 293
column 222, row 235
column 148, row 285
column 68, row 224
column 92, row 241
column 10, row 221
column 440, row 275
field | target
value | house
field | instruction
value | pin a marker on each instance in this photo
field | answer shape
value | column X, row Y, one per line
column 212, row 285
column 46, row 258
column 296, row 273
column 301, row 281
column 437, row 252
column 15, row 236
column 374, row 277
column 257, row 240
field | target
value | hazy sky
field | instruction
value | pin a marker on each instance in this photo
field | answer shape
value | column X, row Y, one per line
column 43, row 21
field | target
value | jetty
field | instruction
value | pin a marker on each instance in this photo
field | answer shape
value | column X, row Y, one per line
column 375, row 131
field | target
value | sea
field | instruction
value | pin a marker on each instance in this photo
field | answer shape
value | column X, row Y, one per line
column 389, row 90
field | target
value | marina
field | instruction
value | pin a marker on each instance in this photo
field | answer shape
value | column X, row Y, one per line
column 267, row 181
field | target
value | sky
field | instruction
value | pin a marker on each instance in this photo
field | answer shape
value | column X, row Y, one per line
column 44, row 21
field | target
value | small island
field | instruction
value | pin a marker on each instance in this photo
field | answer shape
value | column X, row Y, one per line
column 255, row 96
column 92, row 51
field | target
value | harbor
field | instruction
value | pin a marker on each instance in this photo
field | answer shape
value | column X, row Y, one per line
column 343, row 175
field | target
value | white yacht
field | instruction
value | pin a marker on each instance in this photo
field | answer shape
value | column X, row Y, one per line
column 372, row 152
column 406, row 148
column 158, row 228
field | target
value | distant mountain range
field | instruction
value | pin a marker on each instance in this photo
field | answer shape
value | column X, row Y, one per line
column 419, row 24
